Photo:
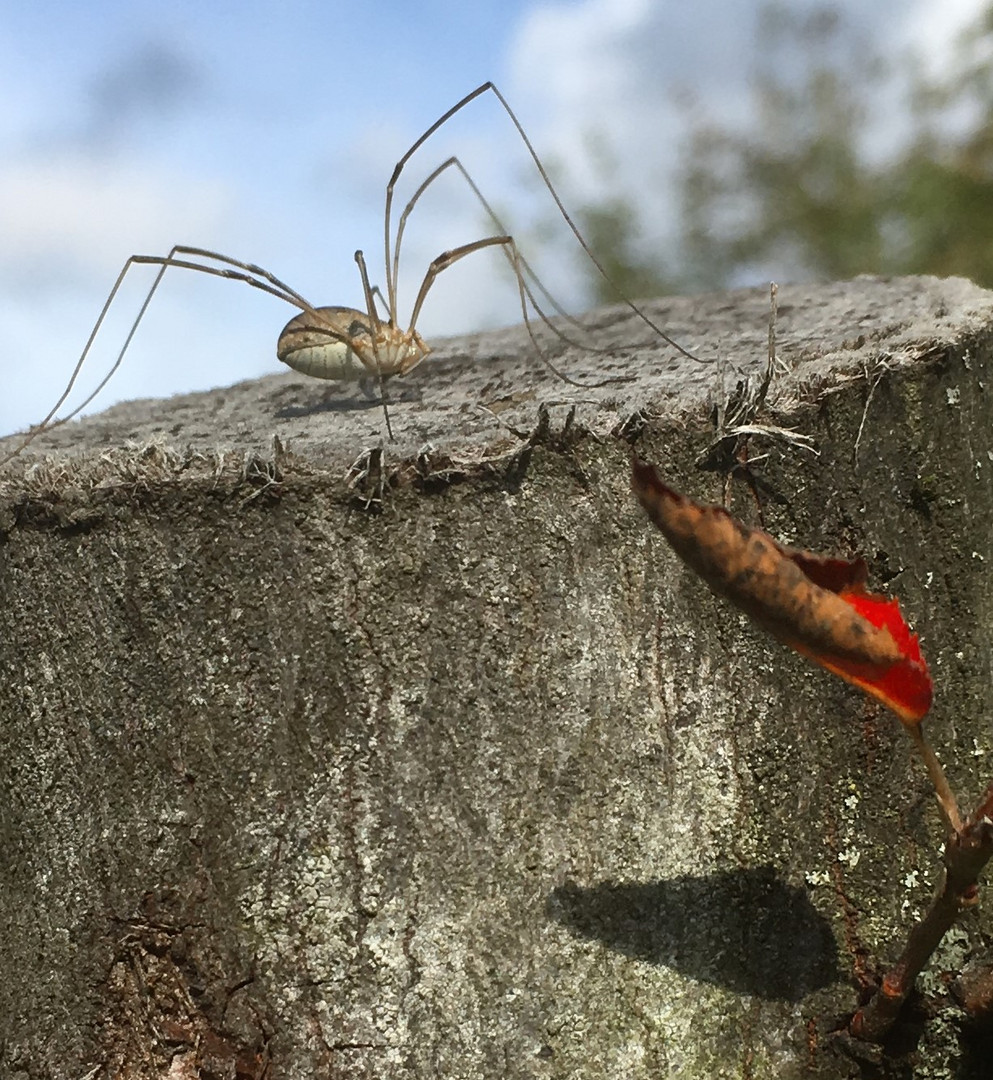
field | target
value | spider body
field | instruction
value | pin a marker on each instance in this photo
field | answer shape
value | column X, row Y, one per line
column 340, row 343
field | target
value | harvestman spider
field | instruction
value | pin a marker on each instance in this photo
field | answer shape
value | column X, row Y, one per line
column 345, row 343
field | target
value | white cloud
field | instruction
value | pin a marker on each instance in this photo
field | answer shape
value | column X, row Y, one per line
column 933, row 29
column 74, row 215
column 603, row 75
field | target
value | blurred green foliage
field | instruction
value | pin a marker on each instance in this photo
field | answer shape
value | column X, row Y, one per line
column 850, row 163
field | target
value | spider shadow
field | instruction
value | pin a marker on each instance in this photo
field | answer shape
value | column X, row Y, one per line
column 333, row 401
column 744, row 930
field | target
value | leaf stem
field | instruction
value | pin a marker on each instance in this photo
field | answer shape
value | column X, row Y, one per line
column 943, row 790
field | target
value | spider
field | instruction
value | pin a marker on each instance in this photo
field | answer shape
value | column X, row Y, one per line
column 345, row 343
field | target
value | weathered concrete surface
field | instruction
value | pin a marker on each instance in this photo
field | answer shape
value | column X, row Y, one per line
column 485, row 784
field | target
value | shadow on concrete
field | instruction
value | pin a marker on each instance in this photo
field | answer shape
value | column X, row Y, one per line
column 349, row 401
column 745, row 930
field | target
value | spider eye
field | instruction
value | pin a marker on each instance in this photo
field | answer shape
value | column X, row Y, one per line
column 358, row 328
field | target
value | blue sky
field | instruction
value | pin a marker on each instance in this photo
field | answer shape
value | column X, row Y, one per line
column 268, row 132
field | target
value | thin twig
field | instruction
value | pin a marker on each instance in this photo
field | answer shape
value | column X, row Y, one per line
column 966, row 853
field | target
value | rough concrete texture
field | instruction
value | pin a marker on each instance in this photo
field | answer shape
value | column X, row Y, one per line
column 451, row 769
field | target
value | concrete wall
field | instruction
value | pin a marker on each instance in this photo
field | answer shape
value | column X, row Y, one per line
column 479, row 781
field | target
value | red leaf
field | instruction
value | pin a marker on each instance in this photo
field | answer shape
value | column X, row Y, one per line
column 815, row 604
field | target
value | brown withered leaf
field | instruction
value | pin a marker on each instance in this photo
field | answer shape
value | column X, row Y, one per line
column 816, row 604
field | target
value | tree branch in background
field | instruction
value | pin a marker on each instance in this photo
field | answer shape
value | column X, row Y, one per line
column 848, row 162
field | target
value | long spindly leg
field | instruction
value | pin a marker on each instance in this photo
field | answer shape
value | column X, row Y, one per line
column 447, row 258
column 444, row 118
column 525, row 265
column 375, row 325
column 520, row 267
column 517, row 261
column 233, row 269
